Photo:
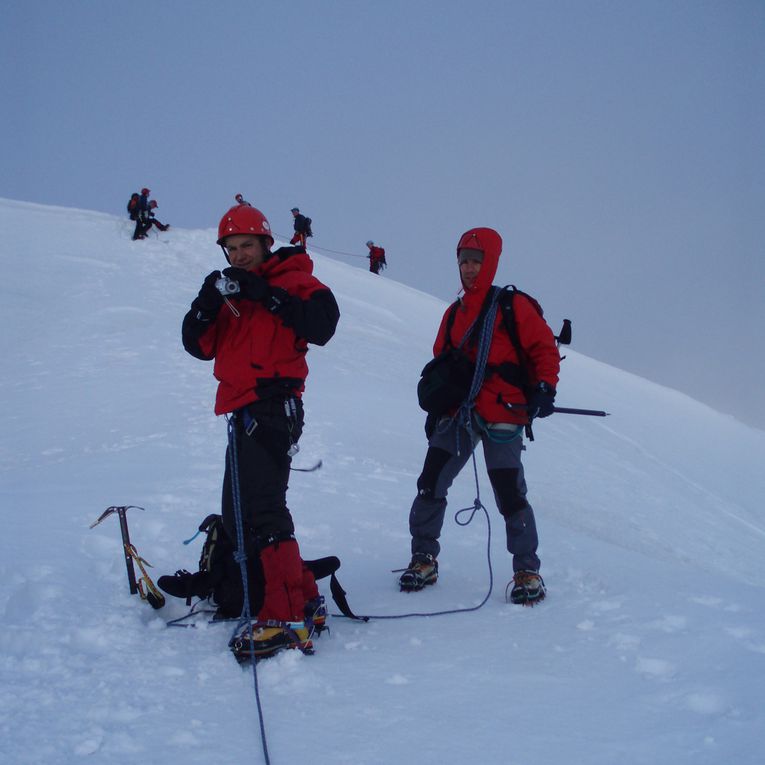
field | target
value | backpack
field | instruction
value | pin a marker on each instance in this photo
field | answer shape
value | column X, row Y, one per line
column 132, row 205
column 308, row 231
column 223, row 576
column 219, row 578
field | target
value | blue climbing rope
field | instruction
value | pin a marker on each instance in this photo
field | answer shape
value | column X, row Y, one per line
column 241, row 557
column 465, row 412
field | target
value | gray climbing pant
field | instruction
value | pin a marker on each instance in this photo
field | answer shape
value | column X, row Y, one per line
column 449, row 448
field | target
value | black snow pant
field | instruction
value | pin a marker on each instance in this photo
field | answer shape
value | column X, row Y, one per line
column 264, row 459
column 503, row 462
column 140, row 229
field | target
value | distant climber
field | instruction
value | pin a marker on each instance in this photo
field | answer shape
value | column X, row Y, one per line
column 302, row 226
column 376, row 257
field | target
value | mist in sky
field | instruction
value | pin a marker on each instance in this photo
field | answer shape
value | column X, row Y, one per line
column 616, row 146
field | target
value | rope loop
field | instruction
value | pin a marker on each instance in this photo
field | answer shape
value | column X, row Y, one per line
column 477, row 505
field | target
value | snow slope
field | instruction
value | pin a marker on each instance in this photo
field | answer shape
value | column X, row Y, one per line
column 649, row 649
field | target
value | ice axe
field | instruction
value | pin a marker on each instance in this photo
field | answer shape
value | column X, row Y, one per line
column 155, row 598
column 562, row 410
column 126, row 546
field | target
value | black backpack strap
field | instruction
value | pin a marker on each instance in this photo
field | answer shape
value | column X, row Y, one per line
column 450, row 323
column 338, row 595
column 323, row 567
column 508, row 315
column 207, row 522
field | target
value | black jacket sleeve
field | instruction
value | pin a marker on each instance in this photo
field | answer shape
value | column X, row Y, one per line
column 314, row 319
column 195, row 324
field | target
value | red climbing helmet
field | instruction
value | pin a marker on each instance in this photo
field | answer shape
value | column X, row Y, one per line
column 243, row 219
column 145, row 191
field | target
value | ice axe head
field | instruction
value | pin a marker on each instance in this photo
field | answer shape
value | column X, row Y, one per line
column 119, row 509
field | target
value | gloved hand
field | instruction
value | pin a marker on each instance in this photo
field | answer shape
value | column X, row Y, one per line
column 251, row 286
column 541, row 401
column 209, row 300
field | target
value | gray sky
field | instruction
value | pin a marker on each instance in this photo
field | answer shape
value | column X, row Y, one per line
column 616, row 146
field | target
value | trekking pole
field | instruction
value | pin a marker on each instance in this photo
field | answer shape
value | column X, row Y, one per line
column 563, row 410
column 126, row 546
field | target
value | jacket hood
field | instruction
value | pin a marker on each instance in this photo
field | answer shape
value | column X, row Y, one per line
column 284, row 260
column 489, row 242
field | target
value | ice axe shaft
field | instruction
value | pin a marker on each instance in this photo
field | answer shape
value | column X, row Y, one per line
column 126, row 546
column 564, row 410
column 588, row 412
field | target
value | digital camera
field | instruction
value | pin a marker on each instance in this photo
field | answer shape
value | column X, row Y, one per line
column 227, row 286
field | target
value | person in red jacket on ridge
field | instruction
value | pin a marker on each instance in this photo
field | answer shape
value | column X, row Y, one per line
column 376, row 257
column 498, row 428
column 258, row 336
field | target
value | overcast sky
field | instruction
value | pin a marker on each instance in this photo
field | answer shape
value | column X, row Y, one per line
column 616, row 146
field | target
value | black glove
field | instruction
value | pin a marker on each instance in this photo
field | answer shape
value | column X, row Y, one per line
column 251, row 286
column 541, row 401
column 209, row 300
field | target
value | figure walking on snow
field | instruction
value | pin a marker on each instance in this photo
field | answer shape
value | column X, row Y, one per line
column 376, row 257
column 139, row 213
column 499, row 429
column 302, row 226
column 259, row 337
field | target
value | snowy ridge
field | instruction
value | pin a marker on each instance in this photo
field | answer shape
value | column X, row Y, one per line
column 649, row 649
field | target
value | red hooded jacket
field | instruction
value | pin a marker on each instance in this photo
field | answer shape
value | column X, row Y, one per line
column 535, row 335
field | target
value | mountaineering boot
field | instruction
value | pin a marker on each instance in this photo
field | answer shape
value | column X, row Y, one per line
column 421, row 571
column 264, row 639
column 528, row 588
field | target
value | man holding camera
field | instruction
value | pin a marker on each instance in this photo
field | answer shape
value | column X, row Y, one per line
column 256, row 320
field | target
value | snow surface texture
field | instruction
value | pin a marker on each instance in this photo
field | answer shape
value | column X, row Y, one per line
column 650, row 647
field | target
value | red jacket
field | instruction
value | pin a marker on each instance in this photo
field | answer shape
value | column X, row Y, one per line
column 535, row 336
column 262, row 352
